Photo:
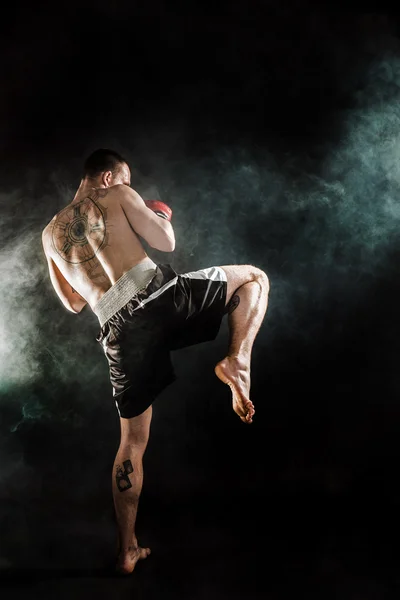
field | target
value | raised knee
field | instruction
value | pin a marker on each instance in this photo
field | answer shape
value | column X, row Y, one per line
column 260, row 276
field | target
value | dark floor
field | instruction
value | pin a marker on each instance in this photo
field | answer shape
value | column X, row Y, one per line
column 300, row 542
column 304, row 503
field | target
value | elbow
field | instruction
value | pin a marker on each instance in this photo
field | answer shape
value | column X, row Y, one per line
column 169, row 238
column 171, row 246
column 167, row 245
column 171, row 242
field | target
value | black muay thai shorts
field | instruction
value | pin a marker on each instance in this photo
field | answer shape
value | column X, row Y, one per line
column 165, row 312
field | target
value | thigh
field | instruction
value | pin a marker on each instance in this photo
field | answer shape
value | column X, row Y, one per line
column 139, row 361
column 144, row 375
column 236, row 276
column 198, row 306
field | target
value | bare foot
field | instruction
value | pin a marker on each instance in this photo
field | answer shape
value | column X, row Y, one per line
column 236, row 373
column 127, row 560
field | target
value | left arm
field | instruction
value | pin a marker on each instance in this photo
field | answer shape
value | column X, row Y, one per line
column 68, row 296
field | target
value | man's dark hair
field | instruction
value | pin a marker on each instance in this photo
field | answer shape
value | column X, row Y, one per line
column 102, row 160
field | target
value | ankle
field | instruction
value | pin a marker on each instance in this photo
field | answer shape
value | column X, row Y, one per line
column 125, row 550
column 241, row 358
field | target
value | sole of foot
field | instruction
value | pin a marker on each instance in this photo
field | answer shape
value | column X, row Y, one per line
column 236, row 375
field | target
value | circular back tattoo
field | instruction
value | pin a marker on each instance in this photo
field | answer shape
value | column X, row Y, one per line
column 79, row 231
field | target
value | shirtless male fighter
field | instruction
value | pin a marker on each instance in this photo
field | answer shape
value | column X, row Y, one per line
column 145, row 310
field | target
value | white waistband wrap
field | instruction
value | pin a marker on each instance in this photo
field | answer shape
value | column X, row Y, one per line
column 134, row 281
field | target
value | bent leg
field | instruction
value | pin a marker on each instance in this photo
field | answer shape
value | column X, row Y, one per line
column 246, row 305
column 127, row 482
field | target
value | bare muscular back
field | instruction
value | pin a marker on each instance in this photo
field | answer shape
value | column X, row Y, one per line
column 93, row 243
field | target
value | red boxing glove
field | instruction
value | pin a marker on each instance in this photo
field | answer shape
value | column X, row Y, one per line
column 161, row 209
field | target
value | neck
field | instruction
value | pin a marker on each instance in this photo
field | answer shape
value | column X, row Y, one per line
column 85, row 187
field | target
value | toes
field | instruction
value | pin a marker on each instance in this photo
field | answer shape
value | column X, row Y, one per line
column 246, row 414
column 250, row 410
column 144, row 553
column 249, row 416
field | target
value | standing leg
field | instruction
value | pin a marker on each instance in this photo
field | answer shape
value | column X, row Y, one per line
column 247, row 300
column 127, row 482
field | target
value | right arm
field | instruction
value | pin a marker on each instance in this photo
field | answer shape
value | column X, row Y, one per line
column 157, row 231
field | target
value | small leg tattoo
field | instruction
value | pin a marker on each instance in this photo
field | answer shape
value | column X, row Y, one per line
column 232, row 304
column 122, row 476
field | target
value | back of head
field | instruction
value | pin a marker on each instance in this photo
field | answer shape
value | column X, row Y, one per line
column 100, row 161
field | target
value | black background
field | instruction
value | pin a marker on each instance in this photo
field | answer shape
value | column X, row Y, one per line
column 246, row 119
